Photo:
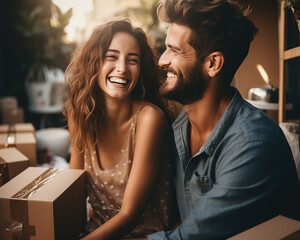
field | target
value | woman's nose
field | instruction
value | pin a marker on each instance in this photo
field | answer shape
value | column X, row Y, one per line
column 121, row 66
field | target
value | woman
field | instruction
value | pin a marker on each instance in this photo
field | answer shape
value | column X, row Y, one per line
column 119, row 133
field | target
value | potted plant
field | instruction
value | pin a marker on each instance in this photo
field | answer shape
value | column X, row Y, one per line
column 42, row 30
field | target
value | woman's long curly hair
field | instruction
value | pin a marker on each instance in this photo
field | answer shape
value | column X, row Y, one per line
column 84, row 102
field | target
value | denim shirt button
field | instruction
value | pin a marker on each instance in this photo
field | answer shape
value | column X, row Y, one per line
column 211, row 149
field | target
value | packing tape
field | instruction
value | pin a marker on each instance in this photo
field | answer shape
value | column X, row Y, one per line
column 19, row 226
column 10, row 140
column 12, row 128
column 36, row 184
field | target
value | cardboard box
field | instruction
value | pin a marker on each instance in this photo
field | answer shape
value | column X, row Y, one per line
column 45, row 203
column 24, row 142
column 17, row 127
column 276, row 228
column 8, row 102
column 12, row 162
column 14, row 115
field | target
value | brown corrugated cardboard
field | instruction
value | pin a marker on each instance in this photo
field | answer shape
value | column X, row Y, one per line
column 49, row 203
column 276, row 228
column 12, row 162
column 24, row 142
column 14, row 115
column 18, row 127
column 8, row 102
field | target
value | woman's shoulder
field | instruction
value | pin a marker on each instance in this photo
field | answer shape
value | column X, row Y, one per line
column 150, row 112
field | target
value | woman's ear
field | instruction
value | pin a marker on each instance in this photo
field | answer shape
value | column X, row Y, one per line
column 214, row 63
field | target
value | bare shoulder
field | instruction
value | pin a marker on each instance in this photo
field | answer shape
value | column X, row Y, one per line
column 151, row 114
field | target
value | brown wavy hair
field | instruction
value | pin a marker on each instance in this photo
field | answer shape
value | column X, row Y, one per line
column 84, row 102
column 217, row 25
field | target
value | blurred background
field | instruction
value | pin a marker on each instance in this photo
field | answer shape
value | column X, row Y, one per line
column 39, row 36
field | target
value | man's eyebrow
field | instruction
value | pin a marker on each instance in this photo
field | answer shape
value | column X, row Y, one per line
column 117, row 51
column 174, row 47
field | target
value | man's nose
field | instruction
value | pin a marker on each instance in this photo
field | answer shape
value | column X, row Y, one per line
column 164, row 60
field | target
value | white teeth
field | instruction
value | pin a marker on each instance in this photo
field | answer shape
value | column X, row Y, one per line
column 171, row 75
column 118, row 80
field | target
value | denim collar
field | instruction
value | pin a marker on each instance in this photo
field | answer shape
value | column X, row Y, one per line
column 181, row 126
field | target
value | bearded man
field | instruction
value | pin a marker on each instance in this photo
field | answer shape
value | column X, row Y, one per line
column 234, row 167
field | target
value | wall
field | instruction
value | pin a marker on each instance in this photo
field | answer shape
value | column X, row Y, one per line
column 264, row 48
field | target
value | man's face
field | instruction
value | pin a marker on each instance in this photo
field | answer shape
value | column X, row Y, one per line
column 185, row 81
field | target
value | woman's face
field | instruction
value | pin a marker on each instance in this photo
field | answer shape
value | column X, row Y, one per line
column 121, row 67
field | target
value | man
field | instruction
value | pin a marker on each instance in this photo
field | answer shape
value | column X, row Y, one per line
column 234, row 167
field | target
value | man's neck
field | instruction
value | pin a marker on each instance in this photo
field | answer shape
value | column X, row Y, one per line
column 203, row 116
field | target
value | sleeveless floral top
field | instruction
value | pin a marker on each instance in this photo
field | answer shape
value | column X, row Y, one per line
column 106, row 188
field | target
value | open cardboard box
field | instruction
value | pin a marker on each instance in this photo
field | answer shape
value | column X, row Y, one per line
column 276, row 228
column 43, row 204
column 12, row 162
column 24, row 142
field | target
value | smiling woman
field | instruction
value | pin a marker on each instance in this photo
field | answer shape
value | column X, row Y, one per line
column 121, row 67
column 112, row 95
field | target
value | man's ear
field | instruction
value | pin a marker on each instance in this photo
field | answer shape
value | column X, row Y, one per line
column 214, row 63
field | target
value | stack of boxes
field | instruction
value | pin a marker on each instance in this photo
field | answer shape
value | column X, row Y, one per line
column 17, row 140
column 35, row 203
column 20, row 136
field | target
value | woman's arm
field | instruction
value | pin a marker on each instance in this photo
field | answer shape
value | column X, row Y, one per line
column 76, row 160
column 151, row 134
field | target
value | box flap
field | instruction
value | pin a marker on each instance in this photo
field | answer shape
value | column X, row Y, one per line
column 17, row 127
column 12, row 154
column 48, row 190
column 279, row 227
column 57, row 185
column 24, row 127
column 25, row 138
column 20, row 181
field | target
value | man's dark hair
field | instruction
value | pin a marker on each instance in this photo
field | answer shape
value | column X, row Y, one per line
column 217, row 25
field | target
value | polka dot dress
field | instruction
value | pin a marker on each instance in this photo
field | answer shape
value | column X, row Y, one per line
column 106, row 188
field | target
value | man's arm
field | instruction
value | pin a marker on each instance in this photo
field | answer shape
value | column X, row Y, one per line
column 246, row 186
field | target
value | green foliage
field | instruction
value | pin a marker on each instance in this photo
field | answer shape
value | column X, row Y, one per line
column 145, row 15
column 41, row 30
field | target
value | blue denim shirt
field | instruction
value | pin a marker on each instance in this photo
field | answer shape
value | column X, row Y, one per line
column 244, row 174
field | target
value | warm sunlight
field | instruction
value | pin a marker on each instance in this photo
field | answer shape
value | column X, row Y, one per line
column 263, row 73
column 79, row 19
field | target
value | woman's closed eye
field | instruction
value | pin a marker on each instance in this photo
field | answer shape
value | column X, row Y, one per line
column 133, row 61
column 111, row 57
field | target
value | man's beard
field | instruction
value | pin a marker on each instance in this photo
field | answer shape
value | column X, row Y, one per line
column 187, row 89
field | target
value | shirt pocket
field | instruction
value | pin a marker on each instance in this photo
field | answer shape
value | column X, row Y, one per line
column 203, row 182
